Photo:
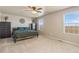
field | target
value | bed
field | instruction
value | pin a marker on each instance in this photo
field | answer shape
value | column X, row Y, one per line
column 21, row 33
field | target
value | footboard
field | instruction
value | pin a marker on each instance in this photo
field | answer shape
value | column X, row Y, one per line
column 22, row 36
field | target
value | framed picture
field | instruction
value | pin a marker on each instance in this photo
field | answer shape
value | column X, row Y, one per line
column 22, row 20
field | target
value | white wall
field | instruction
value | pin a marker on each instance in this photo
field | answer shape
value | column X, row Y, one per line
column 54, row 25
column 15, row 20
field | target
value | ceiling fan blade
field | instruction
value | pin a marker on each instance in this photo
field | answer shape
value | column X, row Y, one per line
column 28, row 10
column 39, row 8
column 32, row 7
column 39, row 11
column 29, row 6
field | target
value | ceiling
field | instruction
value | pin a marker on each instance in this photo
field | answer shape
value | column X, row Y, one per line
column 19, row 10
column 49, row 9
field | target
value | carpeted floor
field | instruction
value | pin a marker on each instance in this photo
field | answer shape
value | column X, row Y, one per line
column 36, row 45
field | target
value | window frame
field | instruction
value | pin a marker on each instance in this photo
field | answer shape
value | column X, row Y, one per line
column 64, row 23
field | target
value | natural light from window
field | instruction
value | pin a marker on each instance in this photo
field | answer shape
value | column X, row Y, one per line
column 71, row 22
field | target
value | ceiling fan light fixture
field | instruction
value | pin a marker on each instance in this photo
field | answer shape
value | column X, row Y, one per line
column 34, row 12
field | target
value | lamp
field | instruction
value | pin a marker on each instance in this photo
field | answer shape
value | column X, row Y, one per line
column 6, row 17
column 34, row 12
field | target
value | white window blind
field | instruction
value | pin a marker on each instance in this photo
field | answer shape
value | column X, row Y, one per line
column 71, row 22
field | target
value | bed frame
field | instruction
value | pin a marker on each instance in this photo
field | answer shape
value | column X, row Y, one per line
column 23, row 35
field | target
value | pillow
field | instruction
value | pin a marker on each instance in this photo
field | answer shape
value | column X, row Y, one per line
column 27, row 28
column 21, row 28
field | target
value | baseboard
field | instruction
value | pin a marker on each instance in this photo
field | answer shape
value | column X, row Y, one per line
column 63, row 40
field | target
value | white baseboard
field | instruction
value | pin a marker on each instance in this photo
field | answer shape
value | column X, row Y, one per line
column 63, row 40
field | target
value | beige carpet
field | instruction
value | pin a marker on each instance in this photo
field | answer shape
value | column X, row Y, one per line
column 36, row 45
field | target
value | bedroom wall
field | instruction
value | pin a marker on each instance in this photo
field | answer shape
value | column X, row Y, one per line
column 54, row 26
column 15, row 20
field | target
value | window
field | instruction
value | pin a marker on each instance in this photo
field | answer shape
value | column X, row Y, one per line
column 71, row 22
column 40, row 24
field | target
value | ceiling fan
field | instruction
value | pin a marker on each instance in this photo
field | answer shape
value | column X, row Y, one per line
column 34, row 9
